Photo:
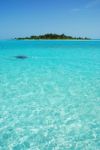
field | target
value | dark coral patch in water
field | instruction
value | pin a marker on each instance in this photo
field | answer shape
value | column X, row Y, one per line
column 21, row 57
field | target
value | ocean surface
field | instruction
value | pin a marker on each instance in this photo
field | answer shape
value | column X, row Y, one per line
column 51, row 99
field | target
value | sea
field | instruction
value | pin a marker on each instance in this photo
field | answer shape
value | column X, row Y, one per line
column 49, row 95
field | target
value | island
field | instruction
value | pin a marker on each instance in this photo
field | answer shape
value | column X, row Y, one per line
column 51, row 36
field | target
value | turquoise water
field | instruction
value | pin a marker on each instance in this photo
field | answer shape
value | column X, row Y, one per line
column 51, row 100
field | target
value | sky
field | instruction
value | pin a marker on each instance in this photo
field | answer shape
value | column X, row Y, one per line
column 20, row 18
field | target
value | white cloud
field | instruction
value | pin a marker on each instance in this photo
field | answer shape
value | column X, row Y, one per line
column 75, row 9
column 93, row 3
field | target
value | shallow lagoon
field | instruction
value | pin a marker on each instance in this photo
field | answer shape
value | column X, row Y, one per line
column 51, row 99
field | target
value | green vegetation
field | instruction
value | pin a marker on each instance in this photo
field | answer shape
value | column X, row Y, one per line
column 51, row 36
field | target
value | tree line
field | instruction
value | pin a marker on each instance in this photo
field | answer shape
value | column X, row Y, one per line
column 52, row 37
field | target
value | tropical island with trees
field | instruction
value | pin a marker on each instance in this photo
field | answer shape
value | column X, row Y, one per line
column 51, row 36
